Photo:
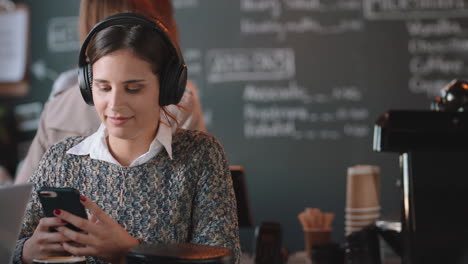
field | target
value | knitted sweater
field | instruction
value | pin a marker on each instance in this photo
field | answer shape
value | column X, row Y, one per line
column 187, row 199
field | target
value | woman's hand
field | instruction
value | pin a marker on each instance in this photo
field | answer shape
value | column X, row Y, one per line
column 44, row 243
column 102, row 237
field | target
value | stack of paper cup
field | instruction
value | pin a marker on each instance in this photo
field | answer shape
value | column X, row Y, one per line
column 362, row 197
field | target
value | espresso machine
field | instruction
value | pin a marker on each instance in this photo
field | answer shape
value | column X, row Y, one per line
column 433, row 150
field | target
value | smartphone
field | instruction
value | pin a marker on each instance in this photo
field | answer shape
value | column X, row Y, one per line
column 68, row 199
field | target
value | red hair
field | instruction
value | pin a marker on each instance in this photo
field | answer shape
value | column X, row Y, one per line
column 93, row 11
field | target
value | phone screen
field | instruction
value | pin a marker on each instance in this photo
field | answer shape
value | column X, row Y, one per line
column 67, row 199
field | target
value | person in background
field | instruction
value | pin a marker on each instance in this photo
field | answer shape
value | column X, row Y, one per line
column 65, row 114
column 5, row 177
column 142, row 179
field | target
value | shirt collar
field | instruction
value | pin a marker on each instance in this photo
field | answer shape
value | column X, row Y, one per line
column 96, row 145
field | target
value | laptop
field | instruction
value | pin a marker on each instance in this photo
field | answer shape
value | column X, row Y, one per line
column 13, row 201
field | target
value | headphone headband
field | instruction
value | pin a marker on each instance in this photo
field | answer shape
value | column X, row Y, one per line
column 172, row 80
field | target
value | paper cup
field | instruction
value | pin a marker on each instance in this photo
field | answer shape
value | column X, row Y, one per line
column 350, row 230
column 315, row 237
column 355, row 222
column 362, row 214
column 362, row 210
column 362, row 190
column 364, row 217
column 349, row 223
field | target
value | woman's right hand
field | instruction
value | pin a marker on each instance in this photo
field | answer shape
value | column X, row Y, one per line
column 44, row 243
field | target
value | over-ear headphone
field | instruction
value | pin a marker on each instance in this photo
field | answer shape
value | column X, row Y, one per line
column 173, row 77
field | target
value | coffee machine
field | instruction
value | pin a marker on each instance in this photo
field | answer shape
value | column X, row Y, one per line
column 433, row 150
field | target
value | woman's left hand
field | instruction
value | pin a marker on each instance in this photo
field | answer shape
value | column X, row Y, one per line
column 102, row 237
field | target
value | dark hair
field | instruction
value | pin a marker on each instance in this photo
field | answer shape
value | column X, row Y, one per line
column 144, row 42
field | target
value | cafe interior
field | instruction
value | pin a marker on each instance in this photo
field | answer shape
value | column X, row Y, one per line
column 344, row 122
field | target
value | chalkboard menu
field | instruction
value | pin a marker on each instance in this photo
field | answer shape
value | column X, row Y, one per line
column 292, row 87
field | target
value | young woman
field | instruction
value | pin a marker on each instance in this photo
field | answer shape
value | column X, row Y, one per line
column 55, row 124
column 142, row 180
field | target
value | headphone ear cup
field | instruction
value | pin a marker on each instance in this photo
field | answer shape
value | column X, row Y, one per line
column 173, row 82
column 85, row 80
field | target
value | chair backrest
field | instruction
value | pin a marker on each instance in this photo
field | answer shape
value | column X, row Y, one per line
column 244, row 213
column 13, row 201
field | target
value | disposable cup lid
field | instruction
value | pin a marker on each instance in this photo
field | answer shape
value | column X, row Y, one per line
column 362, row 209
column 363, row 169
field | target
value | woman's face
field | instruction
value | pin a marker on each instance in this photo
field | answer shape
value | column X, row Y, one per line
column 126, row 95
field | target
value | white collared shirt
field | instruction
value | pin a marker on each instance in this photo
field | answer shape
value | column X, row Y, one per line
column 96, row 145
